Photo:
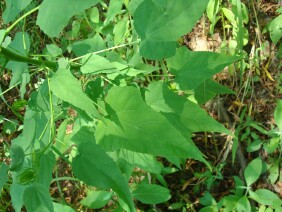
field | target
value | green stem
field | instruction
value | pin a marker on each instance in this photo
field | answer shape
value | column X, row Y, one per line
column 21, row 18
column 10, row 55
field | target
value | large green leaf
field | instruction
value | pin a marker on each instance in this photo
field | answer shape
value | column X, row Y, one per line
column 191, row 69
column 275, row 29
column 36, row 130
column 266, row 197
column 209, row 89
column 45, row 168
column 151, row 194
column 37, row 198
column 93, row 166
column 197, row 120
column 54, row 15
column 17, row 156
column 17, row 193
column 65, row 86
column 135, row 126
column 178, row 109
column 3, row 175
column 160, row 23
column 13, row 8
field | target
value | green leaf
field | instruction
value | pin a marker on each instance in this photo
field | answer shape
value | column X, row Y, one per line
column 209, row 89
column 39, row 100
column 20, row 45
column 114, row 9
column 191, row 69
column 17, row 155
column 253, row 171
column 100, row 172
column 265, row 197
column 133, row 125
column 151, row 194
column 3, row 175
column 95, row 64
column 120, row 30
column 65, row 86
column 230, row 16
column 273, row 172
column 191, row 115
column 275, row 29
column 243, row 204
column 13, row 9
column 94, row 15
column 88, row 45
column 2, row 35
column 278, row 114
column 84, row 135
column 96, row 199
column 62, row 208
column 45, row 168
column 52, row 20
column 229, row 202
column 17, row 193
column 37, row 198
column 36, row 130
column 143, row 161
column 54, row 50
column 207, row 199
column 10, row 126
column 161, row 23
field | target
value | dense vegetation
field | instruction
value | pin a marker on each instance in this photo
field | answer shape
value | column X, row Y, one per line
column 148, row 105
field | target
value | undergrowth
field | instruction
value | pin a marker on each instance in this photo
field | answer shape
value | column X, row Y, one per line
column 104, row 107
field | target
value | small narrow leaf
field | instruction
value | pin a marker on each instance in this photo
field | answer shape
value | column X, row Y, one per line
column 52, row 20
column 278, row 114
column 253, row 171
column 114, row 9
column 93, row 166
column 151, row 194
column 65, row 86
